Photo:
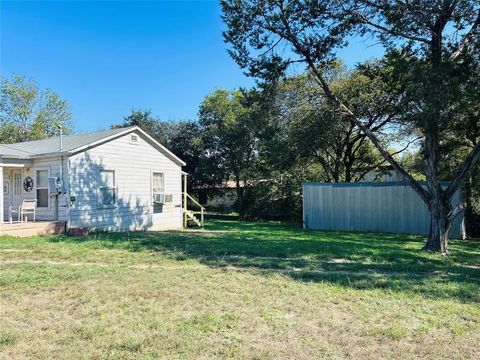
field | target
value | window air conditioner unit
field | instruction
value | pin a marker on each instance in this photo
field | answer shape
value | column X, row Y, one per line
column 158, row 198
column 161, row 198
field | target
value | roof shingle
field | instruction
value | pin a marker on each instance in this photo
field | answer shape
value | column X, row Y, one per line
column 52, row 145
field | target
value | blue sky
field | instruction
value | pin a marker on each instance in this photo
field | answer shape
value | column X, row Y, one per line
column 107, row 57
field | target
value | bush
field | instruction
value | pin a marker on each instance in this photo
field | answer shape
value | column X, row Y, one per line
column 273, row 201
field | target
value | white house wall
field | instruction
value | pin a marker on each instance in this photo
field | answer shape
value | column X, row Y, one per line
column 133, row 165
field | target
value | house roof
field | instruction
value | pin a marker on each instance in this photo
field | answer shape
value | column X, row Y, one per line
column 74, row 144
column 52, row 145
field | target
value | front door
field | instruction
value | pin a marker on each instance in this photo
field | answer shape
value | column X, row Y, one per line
column 16, row 188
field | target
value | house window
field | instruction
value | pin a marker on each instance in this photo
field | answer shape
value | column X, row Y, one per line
column 42, row 188
column 17, row 183
column 106, row 188
column 158, row 189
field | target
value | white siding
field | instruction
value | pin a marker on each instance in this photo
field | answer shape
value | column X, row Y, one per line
column 133, row 165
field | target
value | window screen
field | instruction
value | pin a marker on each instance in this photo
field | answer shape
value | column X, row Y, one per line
column 106, row 188
column 158, row 187
column 158, row 183
column 17, row 184
column 42, row 188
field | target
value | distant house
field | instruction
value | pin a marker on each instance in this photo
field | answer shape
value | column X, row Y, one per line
column 119, row 179
column 222, row 197
column 384, row 176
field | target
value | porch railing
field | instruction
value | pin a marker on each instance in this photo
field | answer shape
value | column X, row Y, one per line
column 192, row 214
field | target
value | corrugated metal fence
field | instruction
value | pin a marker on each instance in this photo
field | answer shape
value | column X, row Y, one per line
column 369, row 206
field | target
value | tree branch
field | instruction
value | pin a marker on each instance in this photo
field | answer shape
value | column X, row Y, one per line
column 463, row 171
column 291, row 37
column 456, row 211
column 474, row 31
column 365, row 20
column 384, row 160
column 388, row 157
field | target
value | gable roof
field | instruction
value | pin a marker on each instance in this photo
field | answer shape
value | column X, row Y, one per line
column 76, row 143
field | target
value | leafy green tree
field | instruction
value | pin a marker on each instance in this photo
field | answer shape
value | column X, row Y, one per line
column 159, row 130
column 186, row 141
column 319, row 132
column 28, row 113
column 432, row 47
column 229, row 122
column 412, row 162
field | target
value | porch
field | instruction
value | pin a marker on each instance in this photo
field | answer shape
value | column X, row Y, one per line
column 32, row 228
column 21, row 180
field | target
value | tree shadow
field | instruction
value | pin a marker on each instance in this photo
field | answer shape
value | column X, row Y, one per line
column 361, row 261
column 133, row 208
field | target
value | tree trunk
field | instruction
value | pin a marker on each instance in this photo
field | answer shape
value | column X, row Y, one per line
column 469, row 205
column 348, row 171
column 440, row 224
column 434, row 196
column 239, row 190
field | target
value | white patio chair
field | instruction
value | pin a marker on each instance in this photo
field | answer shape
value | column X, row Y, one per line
column 28, row 207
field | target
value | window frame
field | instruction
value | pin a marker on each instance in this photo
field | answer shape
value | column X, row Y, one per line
column 14, row 193
column 163, row 178
column 36, row 170
column 160, row 206
column 114, row 188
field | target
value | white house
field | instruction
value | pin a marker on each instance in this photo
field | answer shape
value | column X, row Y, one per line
column 119, row 179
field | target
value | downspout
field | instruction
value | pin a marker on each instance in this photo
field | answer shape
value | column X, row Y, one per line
column 61, row 172
column 61, row 137
column 184, row 200
column 62, row 184
column 61, row 169
column 67, row 198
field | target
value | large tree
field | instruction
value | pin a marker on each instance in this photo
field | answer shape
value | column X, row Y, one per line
column 143, row 118
column 186, row 141
column 29, row 113
column 317, row 131
column 432, row 47
column 229, row 122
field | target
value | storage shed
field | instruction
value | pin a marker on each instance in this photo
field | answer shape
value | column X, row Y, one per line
column 392, row 207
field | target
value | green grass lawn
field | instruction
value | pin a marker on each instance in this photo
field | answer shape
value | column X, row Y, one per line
column 238, row 290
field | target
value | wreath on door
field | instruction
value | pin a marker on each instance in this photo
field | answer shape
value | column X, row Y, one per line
column 28, row 184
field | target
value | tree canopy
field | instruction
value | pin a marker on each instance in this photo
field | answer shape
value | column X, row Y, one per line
column 318, row 131
column 29, row 113
column 432, row 48
column 230, row 122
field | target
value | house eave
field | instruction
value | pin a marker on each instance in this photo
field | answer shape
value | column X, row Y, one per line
column 96, row 143
column 15, row 162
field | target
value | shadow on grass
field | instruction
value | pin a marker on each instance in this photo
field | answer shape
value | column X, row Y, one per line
column 354, row 260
